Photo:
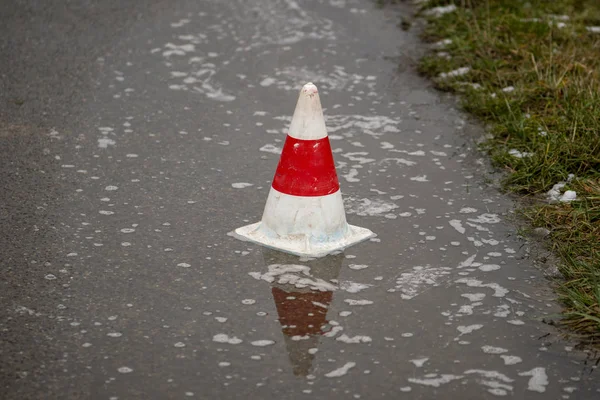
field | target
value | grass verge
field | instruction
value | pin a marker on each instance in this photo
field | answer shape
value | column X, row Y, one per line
column 531, row 71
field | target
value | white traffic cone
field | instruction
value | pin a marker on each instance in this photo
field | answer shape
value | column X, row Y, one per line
column 304, row 214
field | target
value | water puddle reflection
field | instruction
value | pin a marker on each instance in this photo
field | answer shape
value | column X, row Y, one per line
column 302, row 303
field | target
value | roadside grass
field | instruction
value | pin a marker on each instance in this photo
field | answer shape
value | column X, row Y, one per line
column 531, row 71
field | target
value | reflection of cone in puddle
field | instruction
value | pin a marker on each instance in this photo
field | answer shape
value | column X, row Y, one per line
column 302, row 311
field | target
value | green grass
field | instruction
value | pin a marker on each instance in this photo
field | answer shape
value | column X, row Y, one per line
column 553, row 114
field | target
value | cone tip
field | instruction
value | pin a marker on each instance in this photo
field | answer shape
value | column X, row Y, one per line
column 309, row 88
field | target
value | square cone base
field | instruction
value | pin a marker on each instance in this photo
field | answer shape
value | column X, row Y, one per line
column 301, row 245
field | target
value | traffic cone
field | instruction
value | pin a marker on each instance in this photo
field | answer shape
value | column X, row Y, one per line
column 304, row 214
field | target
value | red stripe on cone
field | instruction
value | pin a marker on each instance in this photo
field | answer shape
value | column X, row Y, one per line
column 306, row 168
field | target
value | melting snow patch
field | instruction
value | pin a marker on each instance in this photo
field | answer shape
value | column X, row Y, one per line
column 24, row 310
column 352, row 302
column 455, row 73
column 298, row 338
column 495, row 381
column 353, row 287
column 489, row 267
column 442, row 44
column 316, row 303
column 554, row 195
column 267, row 82
column 262, row 343
column 223, row 338
column 289, row 274
column 466, row 309
column 519, row 154
column 271, row 148
column 441, row 10
column 336, row 373
column 180, row 50
column 398, row 161
column 334, row 331
column 368, row 207
column 374, row 125
column 456, row 224
column 351, row 175
column 438, row 153
column 180, row 23
column 420, row 178
column 357, row 156
column 499, row 291
column 493, row 350
column 412, row 283
column 419, row 362
column 502, row 311
column 568, row 196
column 241, row 185
column 474, row 296
column 486, row 219
column 511, row 360
column 355, row 339
column 538, row 380
column 103, row 143
column 435, row 380
column 467, row 210
column 464, row 330
column 490, row 375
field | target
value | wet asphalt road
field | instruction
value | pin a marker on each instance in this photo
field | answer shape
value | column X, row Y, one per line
column 135, row 136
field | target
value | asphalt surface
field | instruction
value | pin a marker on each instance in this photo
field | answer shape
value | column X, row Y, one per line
column 136, row 135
